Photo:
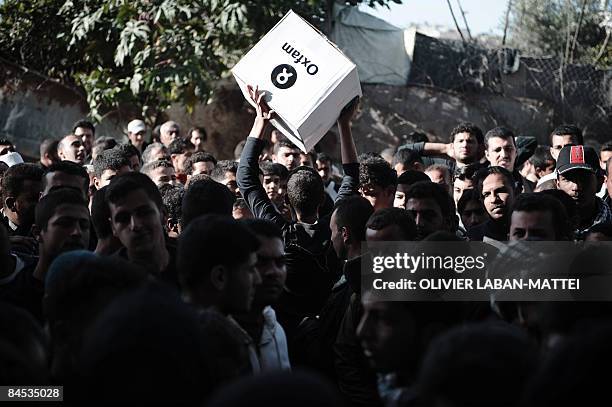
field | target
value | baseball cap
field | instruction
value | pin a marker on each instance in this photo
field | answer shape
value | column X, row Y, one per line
column 136, row 126
column 577, row 157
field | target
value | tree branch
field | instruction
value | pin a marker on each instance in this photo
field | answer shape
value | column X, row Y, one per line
column 450, row 7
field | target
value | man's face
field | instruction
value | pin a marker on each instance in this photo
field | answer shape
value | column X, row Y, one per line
column 427, row 215
column 169, row 133
column 550, row 167
column 135, row 163
column 242, row 280
column 501, row 153
column 439, row 177
column 271, row 184
column 178, row 160
column 378, row 196
column 324, row 168
column 399, row 200
column 163, row 175
column 72, row 149
column 459, row 186
column 137, row 223
column 230, row 182
column 67, row 230
column 336, row 237
column 24, row 204
column 604, row 156
column 473, row 214
column 497, row 196
column 197, row 140
column 272, row 270
column 535, row 225
column 558, row 142
column 387, row 335
column 108, row 175
column 202, row 167
column 58, row 179
column 580, row 185
column 306, row 160
column 137, row 139
column 289, row 157
column 87, row 136
column 465, row 147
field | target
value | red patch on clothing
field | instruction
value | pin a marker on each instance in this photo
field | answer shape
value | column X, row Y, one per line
column 577, row 155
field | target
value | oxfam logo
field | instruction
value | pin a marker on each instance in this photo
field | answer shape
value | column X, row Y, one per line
column 284, row 76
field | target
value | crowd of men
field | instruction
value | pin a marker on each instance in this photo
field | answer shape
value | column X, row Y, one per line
column 157, row 273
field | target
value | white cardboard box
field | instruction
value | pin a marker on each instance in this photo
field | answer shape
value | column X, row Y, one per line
column 307, row 79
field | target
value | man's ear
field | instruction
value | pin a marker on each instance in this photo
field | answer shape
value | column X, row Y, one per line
column 96, row 182
column 218, row 277
column 11, row 203
column 346, row 234
column 486, row 152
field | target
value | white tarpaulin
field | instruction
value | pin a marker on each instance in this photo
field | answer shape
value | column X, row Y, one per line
column 379, row 49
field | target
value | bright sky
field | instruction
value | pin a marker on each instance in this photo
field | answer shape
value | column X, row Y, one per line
column 483, row 16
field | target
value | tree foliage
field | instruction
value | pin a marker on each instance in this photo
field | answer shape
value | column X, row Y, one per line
column 142, row 53
column 550, row 27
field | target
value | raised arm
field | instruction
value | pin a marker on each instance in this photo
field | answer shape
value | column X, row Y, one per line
column 350, row 164
column 247, row 175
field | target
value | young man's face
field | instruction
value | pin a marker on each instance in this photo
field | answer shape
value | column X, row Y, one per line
column 272, row 270
column 501, row 153
column 135, row 163
column 23, row 205
column 535, row 225
column 67, row 230
column 604, row 156
column 72, row 149
column 459, row 186
column 549, row 169
column 399, row 201
column 159, row 153
column 163, row 175
column 289, row 157
column 197, row 140
column 306, row 160
column 87, row 136
column 137, row 223
column 230, row 182
column 497, row 196
column 580, row 185
column 178, row 161
column 242, row 280
column 202, row 167
column 137, row 139
column 271, row 184
column 427, row 215
column 465, row 146
column 108, row 175
column 324, row 168
column 473, row 214
column 378, row 196
column 387, row 334
column 558, row 142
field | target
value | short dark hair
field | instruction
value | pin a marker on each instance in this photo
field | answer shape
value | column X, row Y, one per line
column 499, row 132
column 179, row 146
column 112, row 159
column 284, row 143
column 263, row 227
column 205, row 197
column 6, row 142
column 223, row 239
column 270, row 168
column 541, row 157
column 124, row 184
column 377, row 171
column 85, row 124
column 467, row 127
column 15, row 177
column 385, row 217
column 172, row 197
column 47, row 146
column 147, row 153
column 151, row 165
column 568, row 130
column 67, row 167
column 305, row 190
column 416, row 137
column 223, row 166
column 411, row 176
column 607, row 146
column 199, row 157
column 353, row 212
column 45, row 209
column 102, row 144
column 466, row 172
column 469, row 195
column 324, row 157
column 128, row 150
column 406, row 157
column 538, row 202
column 483, row 173
column 429, row 190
